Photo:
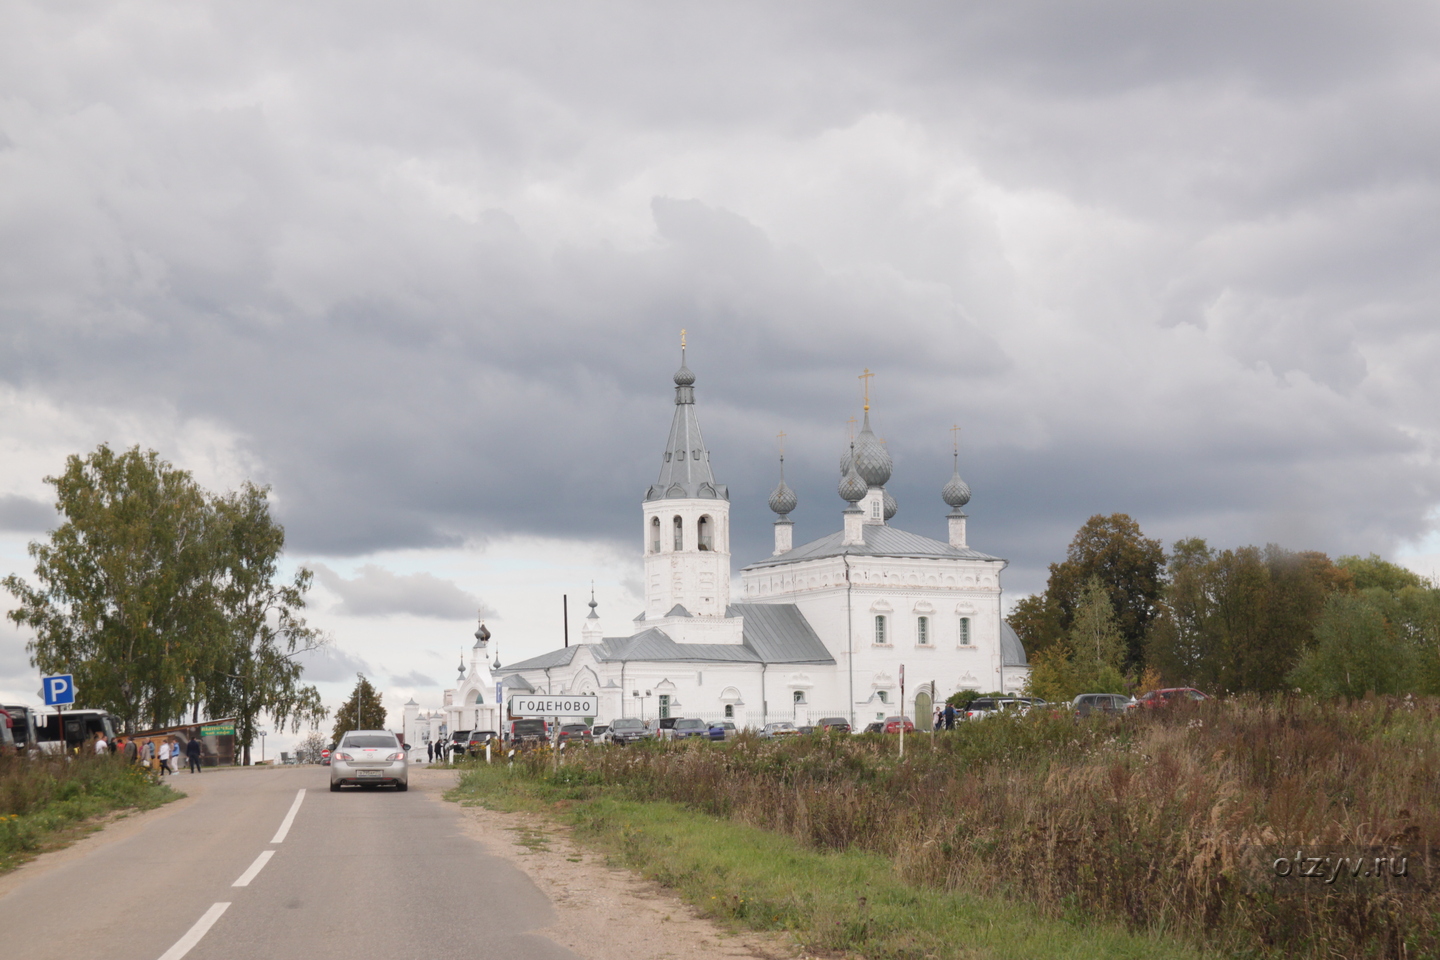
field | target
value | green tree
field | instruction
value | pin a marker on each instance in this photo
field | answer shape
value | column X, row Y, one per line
column 1355, row 653
column 1372, row 572
column 127, row 595
column 1129, row 565
column 1089, row 659
column 255, row 667
column 363, row 711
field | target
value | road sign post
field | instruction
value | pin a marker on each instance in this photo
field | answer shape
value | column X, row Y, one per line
column 59, row 690
column 902, row 711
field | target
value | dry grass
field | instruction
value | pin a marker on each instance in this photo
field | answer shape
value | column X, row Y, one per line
column 1165, row 821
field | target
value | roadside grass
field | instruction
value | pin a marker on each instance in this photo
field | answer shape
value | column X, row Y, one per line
column 48, row 802
column 835, row 902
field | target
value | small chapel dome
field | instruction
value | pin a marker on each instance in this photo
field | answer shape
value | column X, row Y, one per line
column 783, row 500
column 683, row 376
column 957, row 492
column 891, row 507
column 852, row 487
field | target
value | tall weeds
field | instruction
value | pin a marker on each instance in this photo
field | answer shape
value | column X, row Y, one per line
column 1168, row 820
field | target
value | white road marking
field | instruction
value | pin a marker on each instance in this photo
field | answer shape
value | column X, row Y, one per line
column 192, row 936
column 289, row 818
column 255, row 868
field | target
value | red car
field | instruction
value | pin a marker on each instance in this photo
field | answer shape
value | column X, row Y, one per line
column 1169, row 695
column 892, row 724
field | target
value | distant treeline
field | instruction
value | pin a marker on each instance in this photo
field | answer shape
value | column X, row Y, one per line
column 1121, row 614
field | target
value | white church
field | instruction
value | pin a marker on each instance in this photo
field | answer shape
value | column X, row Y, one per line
column 822, row 629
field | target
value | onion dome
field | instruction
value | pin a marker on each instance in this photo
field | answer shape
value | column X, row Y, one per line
column 891, row 507
column 957, row 491
column 783, row 500
column 852, row 486
column 872, row 460
column 683, row 376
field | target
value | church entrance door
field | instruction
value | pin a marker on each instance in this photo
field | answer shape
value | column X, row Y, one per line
column 924, row 713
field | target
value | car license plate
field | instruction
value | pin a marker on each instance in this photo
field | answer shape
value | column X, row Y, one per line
column 367, row 773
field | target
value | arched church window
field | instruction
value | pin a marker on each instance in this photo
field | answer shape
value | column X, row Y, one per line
column 704, row 534
column 729, row 711
column 964, row 631
column 799, row 697
column 880, row 628
column 875, row 509
column 922, row 630
column 882, row 695
column 479, row 697
column 654, row 534
column 679, row 534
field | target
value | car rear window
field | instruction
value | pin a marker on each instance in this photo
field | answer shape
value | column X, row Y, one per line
column 627, row 724
column 369, row 740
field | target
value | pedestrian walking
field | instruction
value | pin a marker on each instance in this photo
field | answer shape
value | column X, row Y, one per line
column 131, row 751
column 101, row 746
column 949, row 716
column 192, row 750
column 430, row 751
column 164, row 752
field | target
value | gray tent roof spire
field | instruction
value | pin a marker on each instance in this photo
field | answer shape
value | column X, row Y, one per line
column 685, row 470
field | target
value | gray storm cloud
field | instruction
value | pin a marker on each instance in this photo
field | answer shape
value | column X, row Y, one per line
column 376, row 592
column 430, row 265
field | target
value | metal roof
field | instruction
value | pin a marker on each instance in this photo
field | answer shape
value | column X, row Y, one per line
column 685, row 471
column 773, row 633
column 1012, row 651
column 555, row 658
column 880, row 541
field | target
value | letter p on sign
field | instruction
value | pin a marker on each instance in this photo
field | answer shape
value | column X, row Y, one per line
column 59, row 690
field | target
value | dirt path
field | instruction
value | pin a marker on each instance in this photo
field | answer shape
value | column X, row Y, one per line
column 604, row 913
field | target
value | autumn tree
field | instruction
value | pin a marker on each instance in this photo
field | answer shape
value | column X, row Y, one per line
column 1130, row 566
column 1089, row 658
column 363, row 711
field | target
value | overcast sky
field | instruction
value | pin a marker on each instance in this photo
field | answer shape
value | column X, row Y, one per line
column 423, row 268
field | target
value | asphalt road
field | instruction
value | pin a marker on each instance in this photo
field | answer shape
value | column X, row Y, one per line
column 361, row 873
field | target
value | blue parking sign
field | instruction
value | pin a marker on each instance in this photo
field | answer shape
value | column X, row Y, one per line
column 59, row 689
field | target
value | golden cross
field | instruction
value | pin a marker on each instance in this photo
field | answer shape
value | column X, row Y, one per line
column 781, row 437
column 852, row 421
column 955, row 437
column 865, row 378
column 682, row 338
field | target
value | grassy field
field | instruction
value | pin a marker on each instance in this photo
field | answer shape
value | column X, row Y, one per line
column 1169, row 821
column 48, row 801
column 847, row 902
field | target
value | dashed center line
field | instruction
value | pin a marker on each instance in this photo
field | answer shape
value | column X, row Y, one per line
column 192, row 936
column 289, row 818
column 255, row 869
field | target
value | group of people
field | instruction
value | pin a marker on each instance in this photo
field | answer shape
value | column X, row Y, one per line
column 148, row 752
column 945, row 717
column 436, row 750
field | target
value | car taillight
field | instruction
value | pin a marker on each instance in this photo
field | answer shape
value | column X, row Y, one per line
column 342, row 756
column 397, row 755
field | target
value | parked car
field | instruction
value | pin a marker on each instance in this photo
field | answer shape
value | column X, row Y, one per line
column 1109, row 704
column 577, row 733
column 782, row 728
column 369, row 758
column 1169, row 695
column 599, row 731
column 832, row 725
column 892, row 724
column 475, row 742
column 723, row 730
column 687, row 727
column 983, row 707
column 455, row 748
column 876, row 726
column 527, row 732
column 665, row 727
column 627, row 730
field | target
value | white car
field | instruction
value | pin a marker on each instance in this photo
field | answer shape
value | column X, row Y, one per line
column 369, row 758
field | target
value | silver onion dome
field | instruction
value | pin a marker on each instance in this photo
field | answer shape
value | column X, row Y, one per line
column 891, row 507
column 683, row 376
column 783, row 500
column 956, row 492
column 852, row 487
column 872, row 460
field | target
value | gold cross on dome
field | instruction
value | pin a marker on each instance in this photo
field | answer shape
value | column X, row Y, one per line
column 955, row 437
column 865, row 379
column 682, row 338
column 852, row 421
column 781, row 437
